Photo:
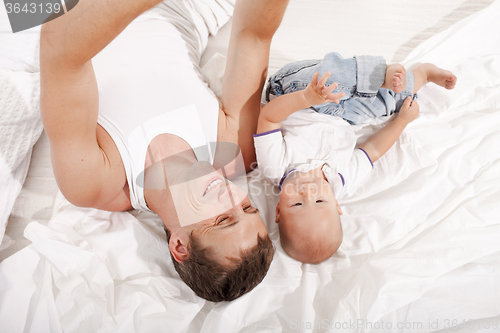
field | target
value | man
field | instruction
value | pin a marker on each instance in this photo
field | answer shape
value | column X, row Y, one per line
column 123, row 137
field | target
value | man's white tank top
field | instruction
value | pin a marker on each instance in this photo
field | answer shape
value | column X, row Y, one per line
column 149, row 83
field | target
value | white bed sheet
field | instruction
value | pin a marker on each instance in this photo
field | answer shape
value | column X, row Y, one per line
column 420, row 250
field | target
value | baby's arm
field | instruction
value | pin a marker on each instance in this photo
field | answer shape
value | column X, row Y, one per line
column 380, row 142
column 277, row 110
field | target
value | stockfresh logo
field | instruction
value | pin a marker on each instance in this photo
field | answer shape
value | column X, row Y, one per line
column 26, row 14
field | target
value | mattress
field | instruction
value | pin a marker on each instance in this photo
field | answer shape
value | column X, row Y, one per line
column 420, row 251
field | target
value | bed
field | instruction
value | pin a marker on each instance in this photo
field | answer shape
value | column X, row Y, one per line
column 421, row 250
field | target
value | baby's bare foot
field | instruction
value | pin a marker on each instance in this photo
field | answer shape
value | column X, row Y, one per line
column 440, row 76
column 395, row 78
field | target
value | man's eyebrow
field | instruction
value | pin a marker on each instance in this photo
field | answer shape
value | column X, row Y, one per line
column 255, row 211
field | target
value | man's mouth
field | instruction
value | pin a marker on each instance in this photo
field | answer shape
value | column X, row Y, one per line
column 213, row 184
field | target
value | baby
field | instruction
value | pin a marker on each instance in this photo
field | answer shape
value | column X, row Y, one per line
column 308, row 172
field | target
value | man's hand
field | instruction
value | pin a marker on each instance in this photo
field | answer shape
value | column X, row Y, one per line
column 409, row 111
column 316, row 93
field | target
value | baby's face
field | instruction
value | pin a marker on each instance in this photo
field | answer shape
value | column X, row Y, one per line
column 308, row 210
column 308, row 193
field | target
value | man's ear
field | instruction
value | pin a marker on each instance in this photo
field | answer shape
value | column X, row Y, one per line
column 178, row 246
column 277, row 213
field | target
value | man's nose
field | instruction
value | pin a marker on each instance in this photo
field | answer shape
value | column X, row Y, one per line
column 229, row 194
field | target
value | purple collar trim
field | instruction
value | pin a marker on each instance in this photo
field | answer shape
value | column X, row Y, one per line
column 284, row 177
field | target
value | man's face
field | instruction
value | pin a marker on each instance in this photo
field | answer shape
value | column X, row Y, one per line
column 233, row 231
column 216, row 211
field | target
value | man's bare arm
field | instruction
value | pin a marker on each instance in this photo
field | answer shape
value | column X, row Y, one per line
column 67, row 44
column 77, row 36
column 254, row 24
column 85, row 170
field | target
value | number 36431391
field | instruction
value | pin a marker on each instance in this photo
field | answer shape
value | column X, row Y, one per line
column 33, row 8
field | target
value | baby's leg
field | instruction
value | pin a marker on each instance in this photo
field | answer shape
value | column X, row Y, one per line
column 395, row 78
column 426, row 73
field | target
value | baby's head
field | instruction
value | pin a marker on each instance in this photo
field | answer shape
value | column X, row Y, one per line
column 308, row 216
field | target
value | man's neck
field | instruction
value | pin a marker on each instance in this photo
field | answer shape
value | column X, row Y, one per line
column 167, row 145
column 167, row 157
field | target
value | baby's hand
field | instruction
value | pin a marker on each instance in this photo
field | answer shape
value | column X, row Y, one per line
column 409, row 111
column 316, row 92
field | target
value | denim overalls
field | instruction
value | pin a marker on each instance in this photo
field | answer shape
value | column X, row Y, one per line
column 359, row 78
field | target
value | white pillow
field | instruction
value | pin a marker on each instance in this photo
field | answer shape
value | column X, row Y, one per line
column 20, row 128
column 18, row 51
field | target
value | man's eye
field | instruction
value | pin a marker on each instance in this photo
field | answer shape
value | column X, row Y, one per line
column 247, row 208
column 297, row 204
column 221, row 219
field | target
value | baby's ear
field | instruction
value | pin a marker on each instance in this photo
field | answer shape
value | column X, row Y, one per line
column 277, row 213
column 338, row 207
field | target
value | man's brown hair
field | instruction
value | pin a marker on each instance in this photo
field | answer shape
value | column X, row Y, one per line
column 215, row 282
